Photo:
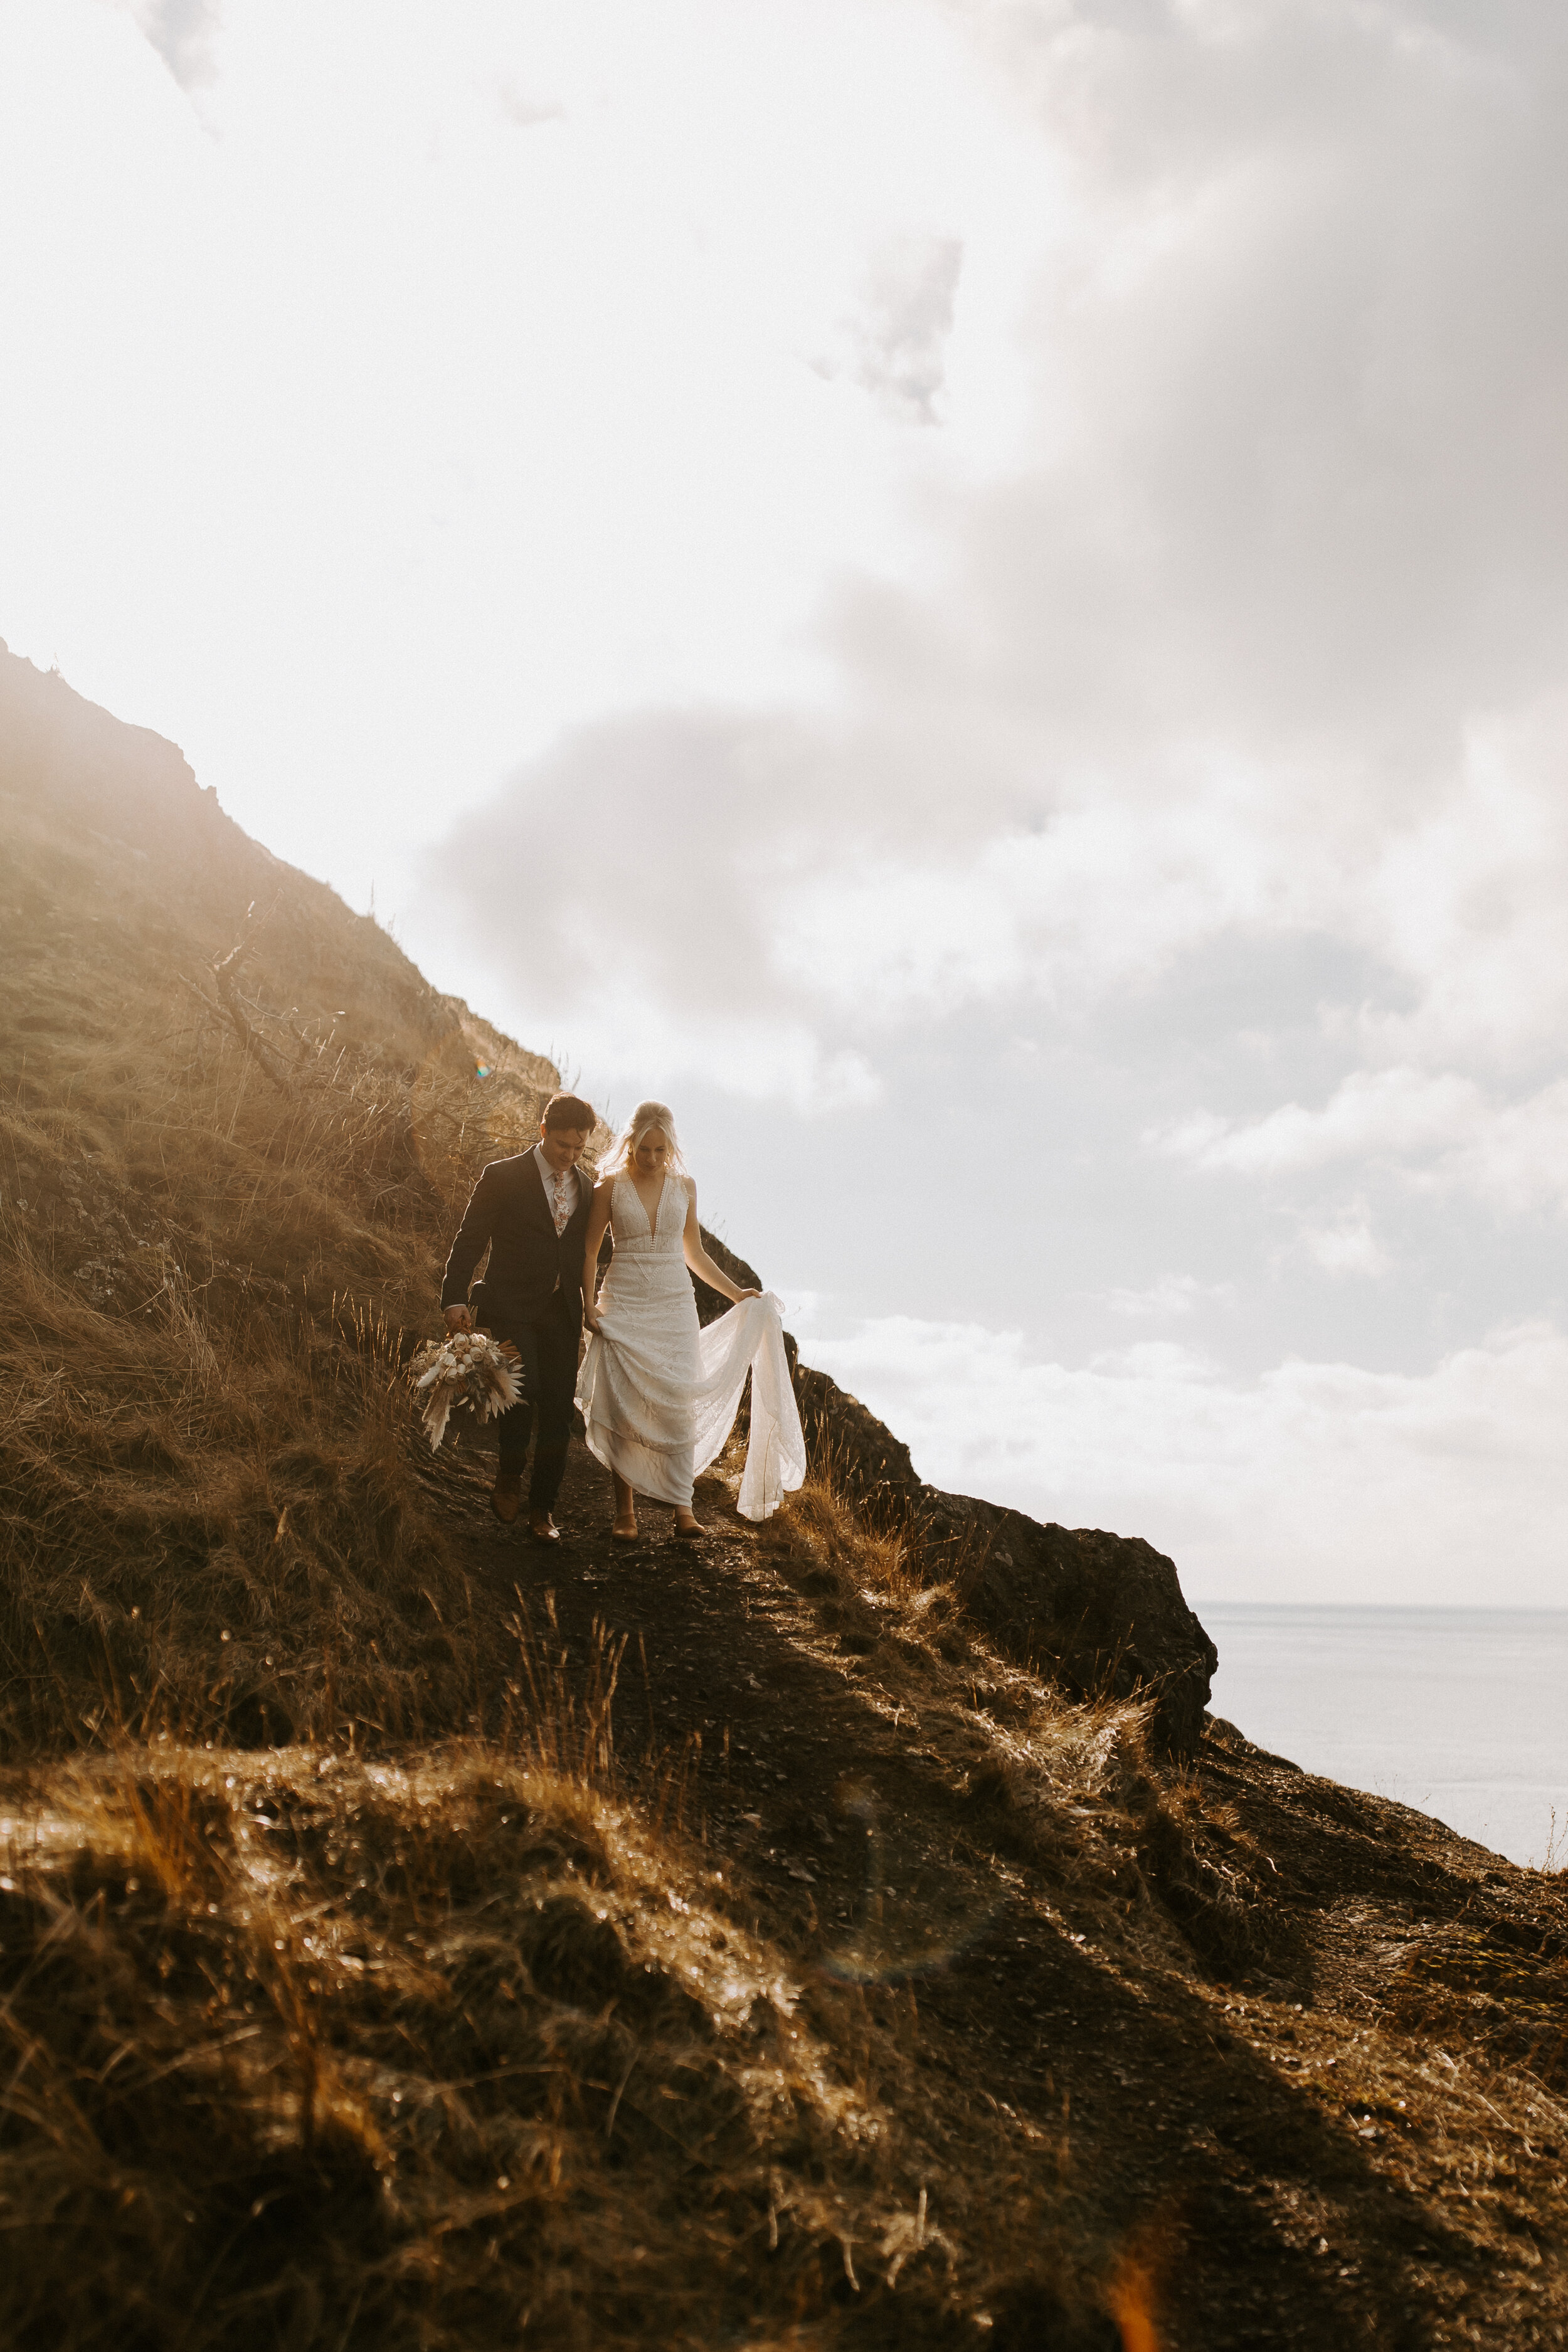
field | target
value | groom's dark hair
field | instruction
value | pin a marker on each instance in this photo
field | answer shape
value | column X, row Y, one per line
column 571, row 1110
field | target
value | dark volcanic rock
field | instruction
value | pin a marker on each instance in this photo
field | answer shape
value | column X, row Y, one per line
column 1098, row 1613
column 712, row 1303
column 858, row 1452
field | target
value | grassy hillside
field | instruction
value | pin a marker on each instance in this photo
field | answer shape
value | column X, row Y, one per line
column 409, row 1938
column 221, row 1198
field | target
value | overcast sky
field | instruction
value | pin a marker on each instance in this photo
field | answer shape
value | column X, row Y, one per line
column 975, row 592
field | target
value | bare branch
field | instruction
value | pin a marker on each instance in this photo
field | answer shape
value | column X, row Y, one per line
column 224, row 971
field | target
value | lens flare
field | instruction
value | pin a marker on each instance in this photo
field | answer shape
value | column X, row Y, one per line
column 1132, row 2307
column 894, row 1938
column 464, row 1109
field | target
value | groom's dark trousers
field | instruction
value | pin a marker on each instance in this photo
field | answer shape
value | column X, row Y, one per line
column 532, row 1294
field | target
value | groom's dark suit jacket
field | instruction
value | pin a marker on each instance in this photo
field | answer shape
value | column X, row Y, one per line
column 509, row 1213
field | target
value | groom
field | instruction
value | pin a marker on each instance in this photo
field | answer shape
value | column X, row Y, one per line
column 531, row 1211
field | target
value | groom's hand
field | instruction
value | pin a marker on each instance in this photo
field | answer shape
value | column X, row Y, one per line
column 459, row 1319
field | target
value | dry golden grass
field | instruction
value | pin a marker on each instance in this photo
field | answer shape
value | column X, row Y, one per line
column 303, row 2048
column 211, row 1512
column 1071, row 1787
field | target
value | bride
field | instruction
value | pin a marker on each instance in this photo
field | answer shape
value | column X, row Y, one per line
column 659, row 1396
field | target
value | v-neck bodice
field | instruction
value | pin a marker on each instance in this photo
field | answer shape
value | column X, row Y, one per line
column 638, row 1233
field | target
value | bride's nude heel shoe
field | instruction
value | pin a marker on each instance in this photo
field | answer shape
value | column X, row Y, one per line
column 624, row 1535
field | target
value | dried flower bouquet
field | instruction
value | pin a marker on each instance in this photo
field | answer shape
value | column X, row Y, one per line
column 464, row 1367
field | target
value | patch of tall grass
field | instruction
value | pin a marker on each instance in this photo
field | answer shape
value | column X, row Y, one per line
column 210, row 1506
column 438, row 2051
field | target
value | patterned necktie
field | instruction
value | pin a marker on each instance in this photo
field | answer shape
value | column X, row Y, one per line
column 562, row 1206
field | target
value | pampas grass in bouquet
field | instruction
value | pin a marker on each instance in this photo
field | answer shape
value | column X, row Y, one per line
column 464, row 1367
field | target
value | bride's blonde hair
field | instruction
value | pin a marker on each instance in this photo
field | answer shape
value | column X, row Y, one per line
column 647, row 1116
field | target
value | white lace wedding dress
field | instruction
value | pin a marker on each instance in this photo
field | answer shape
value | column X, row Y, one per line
column 658, row 1395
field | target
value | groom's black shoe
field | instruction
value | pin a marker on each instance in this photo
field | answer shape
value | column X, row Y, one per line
column 542, row 1528
column 506, row 1495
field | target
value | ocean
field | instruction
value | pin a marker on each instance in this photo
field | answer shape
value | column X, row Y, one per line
column 1460, row 1712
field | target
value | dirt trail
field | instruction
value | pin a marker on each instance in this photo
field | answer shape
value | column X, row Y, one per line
column 1241, row 2147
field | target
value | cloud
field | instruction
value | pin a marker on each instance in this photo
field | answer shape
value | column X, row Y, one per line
column 1518, row 1157
column 185, row 34
column 1348, row 1245
column 526, row 111
column 653, row 936
column 1441, row 1127
column 1173, row 1293
column 1382, row 1114
column 1258, row 638
column 1315, row 1480
column 1314, row 271
column 895, row 340
column 809, row 873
